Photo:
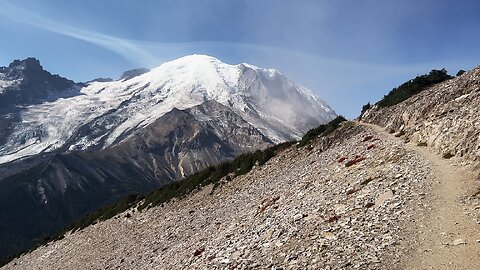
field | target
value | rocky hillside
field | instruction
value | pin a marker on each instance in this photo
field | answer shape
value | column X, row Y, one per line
column 344, row 202
column 444, row 116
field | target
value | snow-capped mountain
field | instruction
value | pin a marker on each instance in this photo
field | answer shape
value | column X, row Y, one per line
column 105, row 113
column 68, row 148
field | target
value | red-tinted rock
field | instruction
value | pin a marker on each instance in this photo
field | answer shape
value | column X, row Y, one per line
column 354, row 161
column 367, row 138
column 199, row 251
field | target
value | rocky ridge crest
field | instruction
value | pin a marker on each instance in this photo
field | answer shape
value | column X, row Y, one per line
column 444, row 116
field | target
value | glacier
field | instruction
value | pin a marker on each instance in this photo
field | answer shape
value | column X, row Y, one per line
column 105, row 113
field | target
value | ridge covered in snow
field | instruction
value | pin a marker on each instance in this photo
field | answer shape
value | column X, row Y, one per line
column 104, row 113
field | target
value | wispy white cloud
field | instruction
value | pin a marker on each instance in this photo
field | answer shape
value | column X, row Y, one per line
column 147, row 53
column 123, row 47
column 342, row 82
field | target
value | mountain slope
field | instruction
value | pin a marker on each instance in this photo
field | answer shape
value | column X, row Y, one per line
column 104, row 113
column 444, row 116
column 301, row 210
column 56, row 189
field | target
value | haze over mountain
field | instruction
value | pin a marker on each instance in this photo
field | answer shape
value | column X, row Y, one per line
column 68, row 148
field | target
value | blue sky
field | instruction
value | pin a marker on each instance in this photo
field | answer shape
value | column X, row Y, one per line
column 348, row 52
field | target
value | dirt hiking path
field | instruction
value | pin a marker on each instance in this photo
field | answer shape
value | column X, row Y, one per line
column 446, row 237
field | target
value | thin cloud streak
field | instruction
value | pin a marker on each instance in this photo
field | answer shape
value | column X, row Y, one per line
column 124, row 48
column 146, row 53
column 341, row 82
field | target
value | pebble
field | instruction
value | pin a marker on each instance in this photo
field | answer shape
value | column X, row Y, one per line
column 458, row 242
column 298, row 217
column 381, row 199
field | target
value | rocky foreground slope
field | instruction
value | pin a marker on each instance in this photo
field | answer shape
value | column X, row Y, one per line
column 355, row 200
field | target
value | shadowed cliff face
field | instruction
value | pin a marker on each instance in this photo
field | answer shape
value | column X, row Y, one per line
column 23, row 83
column 444, row 116
column 127, row 75
column 52, row 190
column 26, row 82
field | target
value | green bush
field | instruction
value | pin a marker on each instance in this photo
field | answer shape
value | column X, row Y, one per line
column 239, row 166
column 105, row 213
column 322, row 130
column 413, row 87
column 365, row 108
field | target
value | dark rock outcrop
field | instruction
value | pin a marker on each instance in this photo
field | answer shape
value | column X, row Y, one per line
column 29, row 83
column 127, row 75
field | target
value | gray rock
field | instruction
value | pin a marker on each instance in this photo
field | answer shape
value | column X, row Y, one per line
column 458, row 242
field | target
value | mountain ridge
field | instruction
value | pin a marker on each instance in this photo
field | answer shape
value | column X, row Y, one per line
column 266, row 99
column 65, row 155
column 443, row 116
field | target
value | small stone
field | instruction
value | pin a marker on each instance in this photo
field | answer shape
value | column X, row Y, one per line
column 298, row 217
column 198, row 251
column 328, row 235
column 458, row 242
column 383, row 197
column 340, row 209
column 369, row 204
column 351, row 191
column 333, row 218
